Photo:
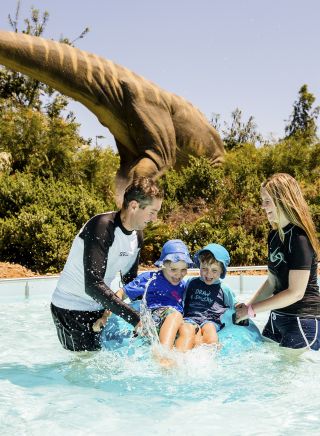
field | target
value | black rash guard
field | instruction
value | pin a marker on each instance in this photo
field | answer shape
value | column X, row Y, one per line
column 294, row 253
column 101, row 250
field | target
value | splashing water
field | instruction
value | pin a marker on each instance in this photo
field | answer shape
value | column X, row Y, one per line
column 44, row 388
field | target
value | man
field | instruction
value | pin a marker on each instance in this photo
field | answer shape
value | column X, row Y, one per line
column 108, row 243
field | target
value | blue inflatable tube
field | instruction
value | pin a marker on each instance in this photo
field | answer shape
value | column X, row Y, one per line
column 118, row 335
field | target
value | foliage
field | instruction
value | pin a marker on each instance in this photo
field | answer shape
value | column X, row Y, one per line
column 233, row 216
column 198, row 179
column 40, row 216
column 37, row 143
column 154, row 238
column 238, row 132
column 39, row 219
column 52, row 180
column 98, row 167
column 303, row 118
column 52, row 148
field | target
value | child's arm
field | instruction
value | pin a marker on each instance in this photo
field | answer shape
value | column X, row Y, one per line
column 101, row 322
column 135, row 289
column 121, row 294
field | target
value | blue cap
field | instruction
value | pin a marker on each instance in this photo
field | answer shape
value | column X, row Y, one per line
column 219, row 253
column 174, row 250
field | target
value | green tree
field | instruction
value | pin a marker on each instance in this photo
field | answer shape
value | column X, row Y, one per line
column 39, row 219
column 303, row 120
column 98, row 166
column 238, row 132
column 37, row 143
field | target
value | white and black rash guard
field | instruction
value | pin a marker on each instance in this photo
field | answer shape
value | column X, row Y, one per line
column 101, row 250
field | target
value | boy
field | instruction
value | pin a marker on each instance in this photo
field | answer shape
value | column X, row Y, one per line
column 206, row 299
column 162, row 291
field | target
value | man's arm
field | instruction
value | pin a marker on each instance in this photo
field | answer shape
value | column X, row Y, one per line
column 97, row 236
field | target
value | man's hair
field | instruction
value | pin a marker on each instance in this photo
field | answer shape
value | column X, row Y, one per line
column 208, row 258
column 143, row 190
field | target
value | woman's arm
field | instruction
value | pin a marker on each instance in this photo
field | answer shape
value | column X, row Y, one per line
column 298, row 280
column 265, row 291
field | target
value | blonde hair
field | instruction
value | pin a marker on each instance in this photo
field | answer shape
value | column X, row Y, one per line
column 288, row 198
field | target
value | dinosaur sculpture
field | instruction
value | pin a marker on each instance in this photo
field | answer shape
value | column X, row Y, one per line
column 154, row 130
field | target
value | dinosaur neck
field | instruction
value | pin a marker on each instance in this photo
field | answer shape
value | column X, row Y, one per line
column 85, row 77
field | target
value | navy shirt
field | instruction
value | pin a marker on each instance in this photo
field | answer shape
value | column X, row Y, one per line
column 204, row 302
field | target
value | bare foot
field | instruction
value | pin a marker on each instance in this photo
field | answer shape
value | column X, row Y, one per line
column 167, row 363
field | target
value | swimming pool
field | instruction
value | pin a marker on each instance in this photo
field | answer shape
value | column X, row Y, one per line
column 47, row 389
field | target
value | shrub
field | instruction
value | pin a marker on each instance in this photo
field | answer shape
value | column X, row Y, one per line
column 37, row 227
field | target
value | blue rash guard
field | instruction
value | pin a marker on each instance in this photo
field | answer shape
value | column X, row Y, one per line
column 159, row 291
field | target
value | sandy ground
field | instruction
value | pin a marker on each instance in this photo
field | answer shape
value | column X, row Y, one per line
column 11, row 270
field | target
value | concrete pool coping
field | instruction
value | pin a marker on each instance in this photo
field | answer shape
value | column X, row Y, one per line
column 27, row 287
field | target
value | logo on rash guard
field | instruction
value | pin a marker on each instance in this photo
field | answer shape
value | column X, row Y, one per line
column 277, row 257
column 124, row 253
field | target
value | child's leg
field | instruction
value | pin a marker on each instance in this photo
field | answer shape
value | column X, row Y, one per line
column 186, row 339
column 209, row 334
column 169, row 329
column 198, row 339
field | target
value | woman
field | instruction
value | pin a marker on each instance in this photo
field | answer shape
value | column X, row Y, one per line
column 291, row 291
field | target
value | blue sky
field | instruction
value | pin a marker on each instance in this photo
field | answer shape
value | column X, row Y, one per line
column 219, row 55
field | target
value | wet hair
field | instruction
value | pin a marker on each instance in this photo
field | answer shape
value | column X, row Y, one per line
column 288, row 198
column 143, row 190
column 208, row 258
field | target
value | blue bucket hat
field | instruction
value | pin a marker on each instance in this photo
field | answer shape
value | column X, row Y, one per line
column 219, row 253
column 174, row 250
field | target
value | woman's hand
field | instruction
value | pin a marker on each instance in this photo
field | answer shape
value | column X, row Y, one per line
column 241, row 312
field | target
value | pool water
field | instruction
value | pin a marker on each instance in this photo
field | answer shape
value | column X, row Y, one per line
column 45, row 389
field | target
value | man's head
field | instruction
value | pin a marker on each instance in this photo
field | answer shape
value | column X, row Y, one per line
column 141, row 203
column 213, row 261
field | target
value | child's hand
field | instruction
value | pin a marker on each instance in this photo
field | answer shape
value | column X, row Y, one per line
column 101, row 322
